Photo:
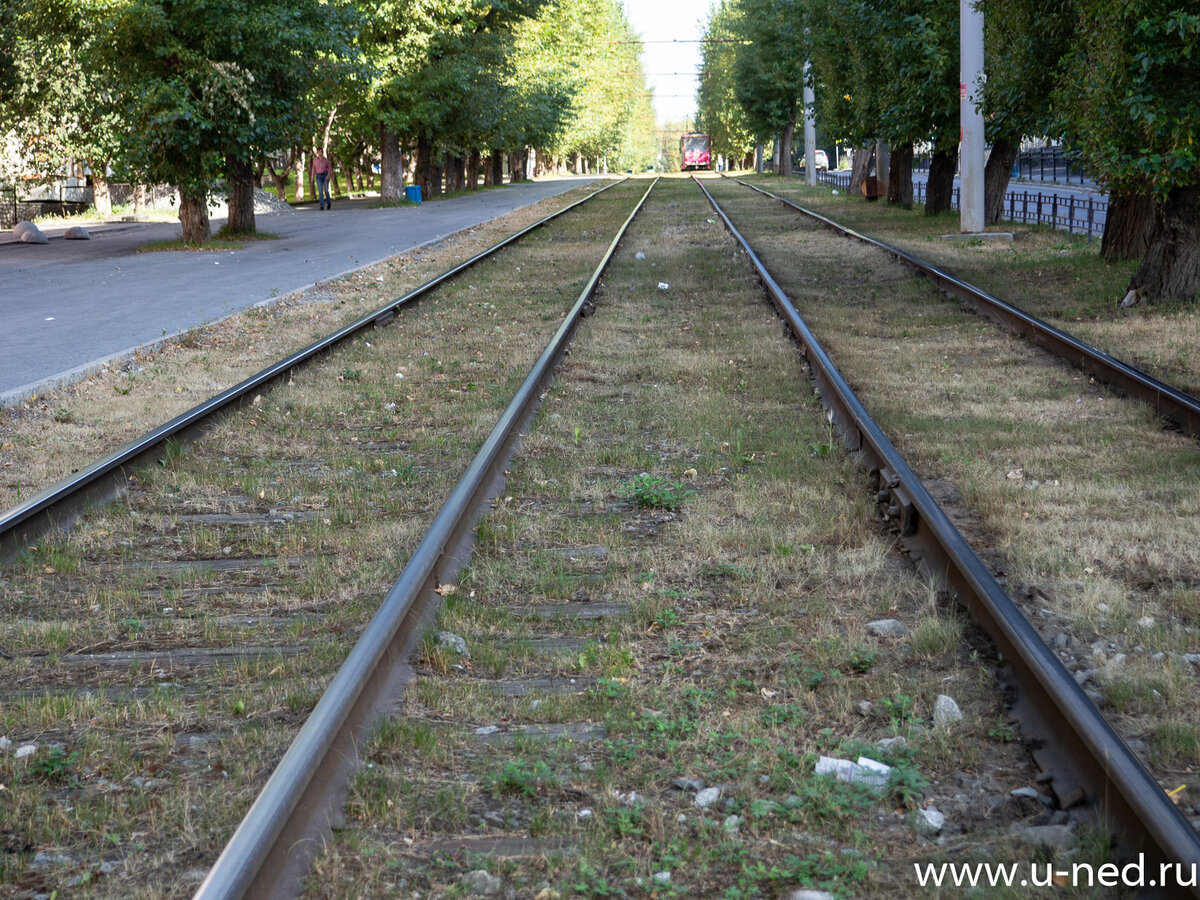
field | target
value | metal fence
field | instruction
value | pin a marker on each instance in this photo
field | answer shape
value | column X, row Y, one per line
column 1051, row 163
column 63, row 200
column 13, row 209
column 1072, row 213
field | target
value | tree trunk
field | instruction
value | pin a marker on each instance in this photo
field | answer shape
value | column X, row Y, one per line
column 1128, row 225
column 785, row 147
column 996, row 175
column 437, row 174
column 497, row 167
column 100, row 195
column 900, row 183
column 939, row 193
column 280, row 178
column 459, row 164
column 858, row 171
column 391, row 166
column 422, row 175
column 240, row 178
column 335, row 186
column 298, row 171
column 1171, row 267
column 473, row 163
column 193, row 216
column 516, row 165
column 139, row 198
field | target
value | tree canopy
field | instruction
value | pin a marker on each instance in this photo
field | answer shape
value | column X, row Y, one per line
column 187, row 92
column 1110, row 77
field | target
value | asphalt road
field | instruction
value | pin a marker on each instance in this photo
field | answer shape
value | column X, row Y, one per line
column 69, row 306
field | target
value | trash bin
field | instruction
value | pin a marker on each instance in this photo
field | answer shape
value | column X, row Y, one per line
column 413, row 192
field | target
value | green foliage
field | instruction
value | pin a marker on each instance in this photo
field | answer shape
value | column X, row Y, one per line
column 54, row 765
column 526, row 779
column 1124, row 107
column 1023, row 44
column 769, row 67
column 719, row 113
column 655, row 491
column 204, row 80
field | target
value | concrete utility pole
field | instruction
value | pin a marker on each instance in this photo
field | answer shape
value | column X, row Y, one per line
column 810, row 133
column 970, row 93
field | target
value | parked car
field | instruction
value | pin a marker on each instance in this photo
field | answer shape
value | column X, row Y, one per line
column 822, row 160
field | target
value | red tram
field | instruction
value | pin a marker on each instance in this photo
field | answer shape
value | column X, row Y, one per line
column 694, row 152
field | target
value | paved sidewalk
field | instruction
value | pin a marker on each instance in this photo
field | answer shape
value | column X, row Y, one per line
column 68, row 306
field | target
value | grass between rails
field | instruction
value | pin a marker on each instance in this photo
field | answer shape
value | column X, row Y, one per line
column 743, row 654
column 1055, row 276
column 1079, row 499
column 144, row 768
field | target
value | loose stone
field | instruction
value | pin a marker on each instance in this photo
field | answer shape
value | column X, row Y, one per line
column 1052, row 837
column 887, row 628
column 707, row 797
column 929, row 821
column 454, row 643
column 482, row 883
column 946, row 711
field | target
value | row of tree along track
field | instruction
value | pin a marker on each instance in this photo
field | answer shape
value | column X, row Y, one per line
column 681, row 596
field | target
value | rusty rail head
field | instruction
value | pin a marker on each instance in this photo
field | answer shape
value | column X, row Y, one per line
column 270, row 851
column 60, row 505
column 1177, row 407
column 1090, row 764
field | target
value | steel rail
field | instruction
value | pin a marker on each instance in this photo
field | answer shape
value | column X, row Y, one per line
column 1176, row 406
column 271, row 848
column 57, row 507
column 1069, row 738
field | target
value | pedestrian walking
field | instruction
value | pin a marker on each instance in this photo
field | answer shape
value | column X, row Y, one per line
column 321, row 169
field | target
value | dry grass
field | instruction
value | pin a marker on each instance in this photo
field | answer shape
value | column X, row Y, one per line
column 743, row 654
column 49, row 436
column 1079, row 499
column 1057, row 277
column 149, row 764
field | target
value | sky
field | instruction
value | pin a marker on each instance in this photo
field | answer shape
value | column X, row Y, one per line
column 670, row 20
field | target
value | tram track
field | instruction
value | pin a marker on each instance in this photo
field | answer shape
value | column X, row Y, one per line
column 1085, row 761
column 674, row 587
column 1178, row 407
column 57, row 506
column 192, row 625
column 545, row 759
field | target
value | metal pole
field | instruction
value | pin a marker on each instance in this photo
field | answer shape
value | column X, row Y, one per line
column 810, row 131
column 970, row 92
